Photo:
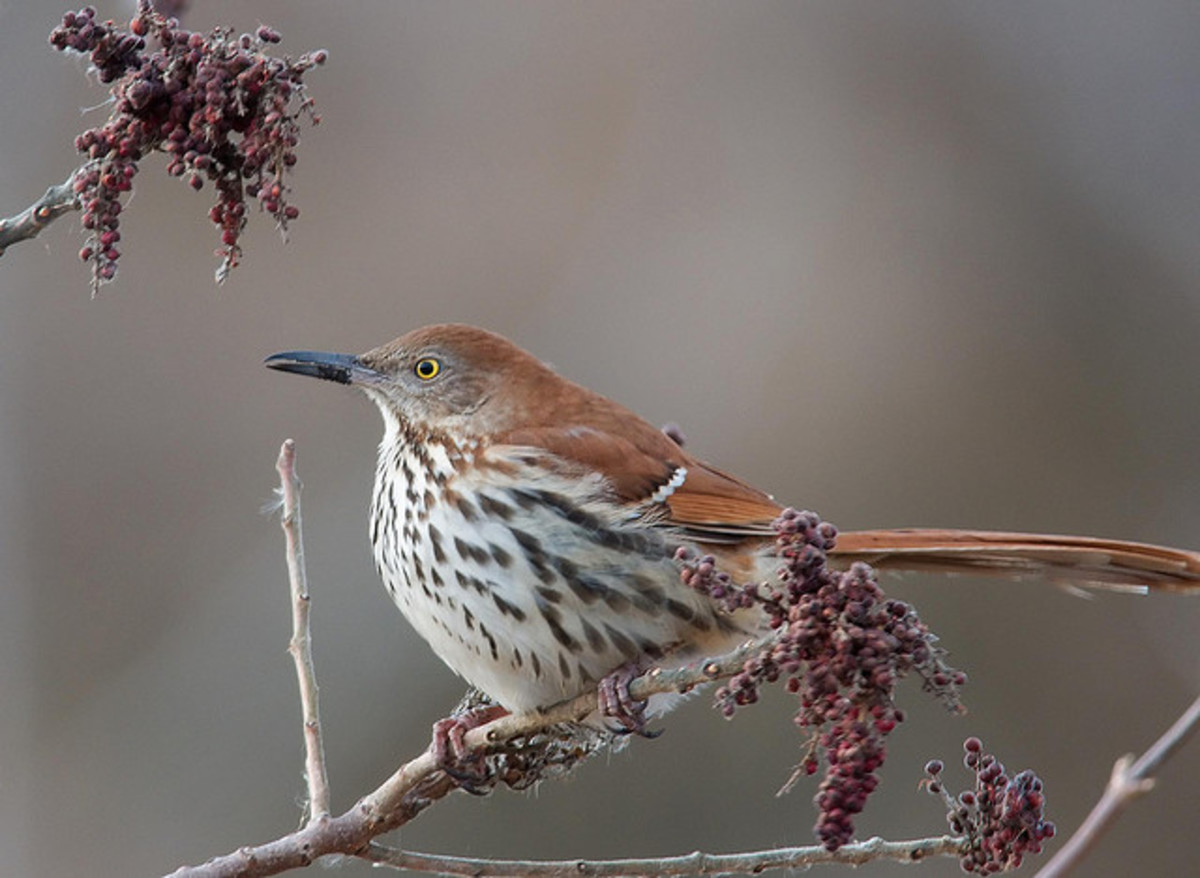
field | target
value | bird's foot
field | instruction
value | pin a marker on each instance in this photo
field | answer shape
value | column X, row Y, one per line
column 616, row 704
column 467, row 768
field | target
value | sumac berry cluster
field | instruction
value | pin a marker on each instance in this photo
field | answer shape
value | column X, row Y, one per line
column 1001, row 817
column 841, row 646
column 219, row 106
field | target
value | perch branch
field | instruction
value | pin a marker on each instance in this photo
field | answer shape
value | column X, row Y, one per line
column 698, row 863
column 300, row 646
column 1130, row 779
column 419, row 783
column 58, row 200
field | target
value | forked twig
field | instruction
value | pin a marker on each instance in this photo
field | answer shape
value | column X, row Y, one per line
column 1130, row 779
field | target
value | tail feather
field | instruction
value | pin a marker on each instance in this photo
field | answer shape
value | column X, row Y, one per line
column 1087, row 561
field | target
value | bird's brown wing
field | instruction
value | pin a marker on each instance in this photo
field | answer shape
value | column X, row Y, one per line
column 713, row 506
column 1077, row 560
column 646, row 470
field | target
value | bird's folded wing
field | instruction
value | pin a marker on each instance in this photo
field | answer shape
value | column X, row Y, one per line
column 648, row 472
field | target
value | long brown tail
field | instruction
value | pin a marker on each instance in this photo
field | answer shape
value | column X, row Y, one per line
column 1076, row 560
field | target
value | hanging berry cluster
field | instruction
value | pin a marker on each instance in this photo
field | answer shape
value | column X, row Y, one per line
column 841, row 647
column 219, row 106
column 1001, row 817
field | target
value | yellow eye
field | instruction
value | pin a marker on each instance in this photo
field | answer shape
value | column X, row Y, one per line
column 428, row 368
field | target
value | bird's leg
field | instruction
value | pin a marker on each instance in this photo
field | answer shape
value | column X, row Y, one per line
column 465, row 767
column 617, row 704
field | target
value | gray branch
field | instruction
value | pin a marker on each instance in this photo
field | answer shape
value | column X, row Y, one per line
column 28, row 223
column 747, row 863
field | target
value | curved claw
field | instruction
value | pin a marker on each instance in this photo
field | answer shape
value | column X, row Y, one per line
column 617, row 704
column 465, row 767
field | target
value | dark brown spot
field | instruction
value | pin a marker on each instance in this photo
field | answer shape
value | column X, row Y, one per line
column 587, row 589
column 549, row 594
column 491, row 642
column 534, row 554
column 616, row 600
column 650, row 648
column 495, row 507
column 507, row 609
column 467, row 509
column 624, row 645
column 648, row 588
column 435, row 538
column 680, row 610
column 469, row 552
column 391, row 499
column 469, row 619
column 553, row 617
column 564, row 666
column 529, row 544
column 523, row 498
column 536, row 664
column 594, row 638
column 468, row 581
column 500, row 556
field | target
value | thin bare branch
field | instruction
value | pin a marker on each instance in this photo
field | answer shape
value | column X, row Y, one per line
column 1130, row 779
column 698, row 863
column 301, row 643
column 58, row 200
column 419, row 783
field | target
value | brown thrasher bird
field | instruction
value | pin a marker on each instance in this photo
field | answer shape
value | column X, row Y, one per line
column 526, row 526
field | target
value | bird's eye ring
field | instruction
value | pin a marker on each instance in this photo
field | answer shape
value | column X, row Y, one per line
column 427, row 368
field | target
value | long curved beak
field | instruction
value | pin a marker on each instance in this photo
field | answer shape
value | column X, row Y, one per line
column 342, row 368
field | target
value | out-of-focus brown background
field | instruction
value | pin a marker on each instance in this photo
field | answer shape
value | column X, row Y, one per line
column 904, row 264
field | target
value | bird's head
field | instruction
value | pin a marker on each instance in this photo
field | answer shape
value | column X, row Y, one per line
column 443, row 378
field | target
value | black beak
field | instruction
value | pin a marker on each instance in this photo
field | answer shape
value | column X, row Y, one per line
column 342, row 368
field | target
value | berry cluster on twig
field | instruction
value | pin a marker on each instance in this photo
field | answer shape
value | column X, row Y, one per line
column 219, row 105
column 841, row 648
column 1002, row 817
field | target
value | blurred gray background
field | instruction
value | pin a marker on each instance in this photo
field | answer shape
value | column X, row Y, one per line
column 930, row 263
